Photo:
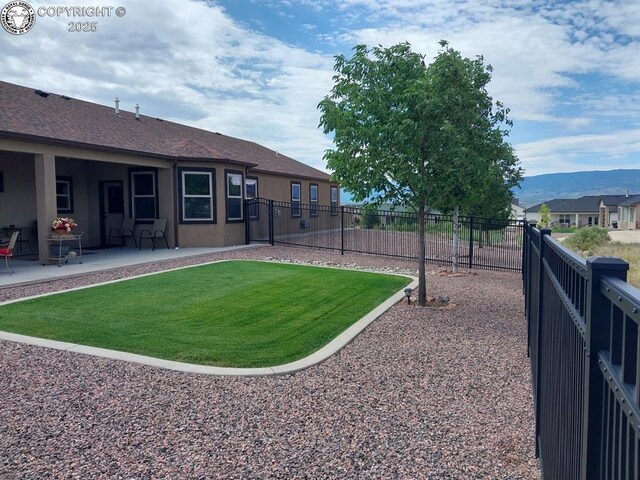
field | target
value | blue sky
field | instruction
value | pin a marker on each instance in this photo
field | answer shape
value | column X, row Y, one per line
column 256, row 69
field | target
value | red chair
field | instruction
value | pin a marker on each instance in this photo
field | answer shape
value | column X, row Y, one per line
column 7, row 252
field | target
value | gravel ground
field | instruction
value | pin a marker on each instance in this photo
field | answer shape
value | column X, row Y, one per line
column 422, row 393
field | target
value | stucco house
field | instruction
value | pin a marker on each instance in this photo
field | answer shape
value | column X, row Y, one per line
column 601, row 210
column 628, row 218
column 60, row 156
column 517, row 210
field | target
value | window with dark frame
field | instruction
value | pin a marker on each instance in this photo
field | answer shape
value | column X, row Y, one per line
column 198, row 196
column 313, row 200
column 334, row 200
column 251, row 193
column 143, row 195
column 64, row 195
column 233, row 187
column 296, row 194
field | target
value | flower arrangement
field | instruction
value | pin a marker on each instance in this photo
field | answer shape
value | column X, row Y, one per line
column 63, row 224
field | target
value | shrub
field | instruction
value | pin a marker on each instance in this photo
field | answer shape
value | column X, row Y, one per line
column 371, row 217
column 587, row 238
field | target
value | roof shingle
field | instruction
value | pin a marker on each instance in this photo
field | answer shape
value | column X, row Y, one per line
column 58, row 118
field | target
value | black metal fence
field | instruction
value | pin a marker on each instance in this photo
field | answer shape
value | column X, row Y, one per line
column 484, row 243
column 583, row 341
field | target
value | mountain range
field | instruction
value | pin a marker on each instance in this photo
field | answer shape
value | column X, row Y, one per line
column 540, row 188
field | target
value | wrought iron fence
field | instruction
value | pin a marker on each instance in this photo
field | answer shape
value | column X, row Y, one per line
column 484, row 243
column 583, row 342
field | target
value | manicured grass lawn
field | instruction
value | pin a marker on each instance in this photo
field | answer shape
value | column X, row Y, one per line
column 238, row 313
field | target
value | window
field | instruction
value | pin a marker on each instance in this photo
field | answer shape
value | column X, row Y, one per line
column 233, row 186
column 564, row 219
column 624, row 214
column 64, row 195
column 197, row 190
column 334, row 200
column 313, row 200
column 250, row 193
column 143, row 195
column 295, row 199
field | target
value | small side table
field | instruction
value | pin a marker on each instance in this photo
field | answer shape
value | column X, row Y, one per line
column 68, row 240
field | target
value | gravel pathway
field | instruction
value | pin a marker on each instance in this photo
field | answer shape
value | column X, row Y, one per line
column 422, row 393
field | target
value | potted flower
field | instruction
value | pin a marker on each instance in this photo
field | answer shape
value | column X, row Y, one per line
column 63, row 225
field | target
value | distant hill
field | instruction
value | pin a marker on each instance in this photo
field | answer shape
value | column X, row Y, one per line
column 539, row 188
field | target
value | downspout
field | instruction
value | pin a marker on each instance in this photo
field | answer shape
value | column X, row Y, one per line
column 176, row 209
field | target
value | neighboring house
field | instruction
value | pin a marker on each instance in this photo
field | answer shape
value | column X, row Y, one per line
column 65, row 157
column 628, row 218
column 599, row 210
column 517, row 210
column 533, row 213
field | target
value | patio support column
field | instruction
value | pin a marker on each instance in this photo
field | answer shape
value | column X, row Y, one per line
column 577, row 219
column 45, row 170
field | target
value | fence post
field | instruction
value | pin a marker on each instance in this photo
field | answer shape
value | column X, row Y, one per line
column 470, row 243
column 526, row 281
column 271, row 242
column 246, row 223
column 341, row 229
column 523, row 266
column 597, row 319
column 540, row 353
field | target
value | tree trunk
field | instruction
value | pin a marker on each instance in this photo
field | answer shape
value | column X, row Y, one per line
column 422, row 278
column 456, row 238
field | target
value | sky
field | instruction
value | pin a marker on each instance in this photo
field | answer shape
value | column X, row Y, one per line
column 256, row 69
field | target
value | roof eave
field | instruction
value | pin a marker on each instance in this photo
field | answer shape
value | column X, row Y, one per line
column 289, row 174
column 106, row 148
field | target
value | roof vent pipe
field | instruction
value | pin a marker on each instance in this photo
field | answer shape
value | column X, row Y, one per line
column 137, row 112
column 117, row 106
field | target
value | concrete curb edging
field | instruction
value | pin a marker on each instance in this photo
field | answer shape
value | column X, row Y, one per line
column 317, row 357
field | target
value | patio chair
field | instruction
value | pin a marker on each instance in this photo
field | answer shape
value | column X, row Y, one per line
column 156, row 231
column 124, row 232
column 7, row 252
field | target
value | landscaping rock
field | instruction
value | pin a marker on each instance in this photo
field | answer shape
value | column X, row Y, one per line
column 423, row 393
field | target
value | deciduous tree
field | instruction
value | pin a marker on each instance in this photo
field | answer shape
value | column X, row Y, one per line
column 412, row 134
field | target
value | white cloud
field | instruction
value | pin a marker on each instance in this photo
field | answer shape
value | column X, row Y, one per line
column 184, row 61
column 580, row 152
column 189, row 61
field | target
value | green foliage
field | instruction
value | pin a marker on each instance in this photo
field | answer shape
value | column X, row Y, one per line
column 587, row 238
column 371, row 217
column 545, row 216
column 413, row 134
column 291, row 311
column 419, row 135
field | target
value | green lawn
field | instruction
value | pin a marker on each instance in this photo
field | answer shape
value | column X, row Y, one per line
column 233, row 314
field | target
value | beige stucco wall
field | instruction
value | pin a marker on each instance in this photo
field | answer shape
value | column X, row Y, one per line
column 630, row 215
column 277, row 187
column 29, row 191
